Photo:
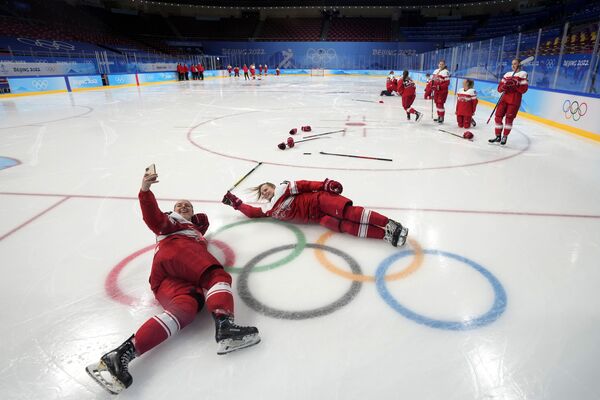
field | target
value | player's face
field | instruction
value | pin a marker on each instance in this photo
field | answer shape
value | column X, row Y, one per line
column 465, row 85
column 266, row 192
column 441, row 64
column 185, row 209
column 515, row 65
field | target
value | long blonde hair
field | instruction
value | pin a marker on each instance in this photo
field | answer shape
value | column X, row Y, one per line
column 256, row 189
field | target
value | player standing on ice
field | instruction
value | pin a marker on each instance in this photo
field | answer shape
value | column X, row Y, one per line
column 440, row 82
column 184, row 276
column 245, row 69
column 512, row 86
column 407, row 89
column 320, row 202
column 466, row 104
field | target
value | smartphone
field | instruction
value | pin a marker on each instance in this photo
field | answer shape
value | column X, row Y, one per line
column 151, row 170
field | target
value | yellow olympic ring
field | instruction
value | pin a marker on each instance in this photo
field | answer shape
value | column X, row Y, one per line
column 413, row 266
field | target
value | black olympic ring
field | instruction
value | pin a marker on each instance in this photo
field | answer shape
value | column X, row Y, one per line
column 253, row 303
column 574, row 109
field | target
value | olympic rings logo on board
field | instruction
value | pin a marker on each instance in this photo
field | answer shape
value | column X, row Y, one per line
column 382, row 279
column 321, row 55
column 574, row 109
column 47, row 44
column 40, row 84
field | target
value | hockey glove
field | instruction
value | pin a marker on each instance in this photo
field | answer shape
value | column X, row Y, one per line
column 332, row 186
column 232, row 200
column 201, row 221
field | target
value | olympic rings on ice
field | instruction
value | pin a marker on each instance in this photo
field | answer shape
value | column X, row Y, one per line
column 574, row 109
column 298, row 247
column 253, row 303
column 412, row 267
column 490, row 316
column 355, row 275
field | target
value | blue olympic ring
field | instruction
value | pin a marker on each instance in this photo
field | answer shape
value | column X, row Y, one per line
column 490, row 316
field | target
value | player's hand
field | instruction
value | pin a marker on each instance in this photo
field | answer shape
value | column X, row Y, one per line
column 149, row 180
column 332, row 186
column 232, row 200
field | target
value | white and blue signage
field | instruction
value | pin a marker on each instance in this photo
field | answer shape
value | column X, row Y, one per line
column 152, row 77
column 122, row 79
column 42, row 84
column 85, row 81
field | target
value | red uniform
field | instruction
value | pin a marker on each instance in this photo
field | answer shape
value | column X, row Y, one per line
column 236, row 71
column 407, row 89
column 466, row 104
column 428, row 90
column 253, row 71
column 307, row 202
column 513, row 85
column 184, row 274
column 265, row 70
column 440, row 82
column 391, row 84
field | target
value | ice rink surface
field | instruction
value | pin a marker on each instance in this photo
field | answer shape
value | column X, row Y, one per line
column 495, row 297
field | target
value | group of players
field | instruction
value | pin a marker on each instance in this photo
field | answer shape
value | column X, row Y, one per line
column 185, row 276
column 512, row 87
column 250, row 71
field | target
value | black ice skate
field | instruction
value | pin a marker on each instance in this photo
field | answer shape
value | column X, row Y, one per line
column 440, row 120
column 504, row 139
column 418, row 116
column 495, row 140
column 473, row 123
column 408, row 116
column 395, row 233
column 114, row 365
column 231, row 337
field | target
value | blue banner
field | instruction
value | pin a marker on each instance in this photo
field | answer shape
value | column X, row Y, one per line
column 28, row 85
column 85, row 81
column 152, row 77
column 122, row 79
column 342, row 55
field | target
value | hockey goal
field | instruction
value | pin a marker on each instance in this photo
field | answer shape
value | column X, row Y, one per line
column 317, row 72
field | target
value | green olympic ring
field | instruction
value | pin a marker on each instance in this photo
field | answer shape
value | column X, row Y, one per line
column 300, row 245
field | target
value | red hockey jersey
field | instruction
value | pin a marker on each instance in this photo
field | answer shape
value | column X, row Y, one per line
column 513, row 86
column 295, row 201
column 466, row 102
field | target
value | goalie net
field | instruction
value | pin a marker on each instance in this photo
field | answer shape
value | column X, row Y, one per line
column 317, row 72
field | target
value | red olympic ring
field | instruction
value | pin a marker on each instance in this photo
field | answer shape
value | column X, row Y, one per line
column 111, row 283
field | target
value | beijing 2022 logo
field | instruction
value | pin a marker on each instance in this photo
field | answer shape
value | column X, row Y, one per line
column 574, row 109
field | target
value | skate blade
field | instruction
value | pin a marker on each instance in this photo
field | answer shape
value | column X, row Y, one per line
column 403, row 236
column 95, row 372
column 228, row 345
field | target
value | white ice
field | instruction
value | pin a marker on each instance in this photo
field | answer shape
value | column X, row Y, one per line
column 529, row 213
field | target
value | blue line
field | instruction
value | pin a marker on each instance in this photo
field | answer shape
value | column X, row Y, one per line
column 490, row 316
column 7, row 163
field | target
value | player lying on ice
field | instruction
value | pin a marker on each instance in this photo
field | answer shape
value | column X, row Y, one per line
column 320, row 202
column 184, row 277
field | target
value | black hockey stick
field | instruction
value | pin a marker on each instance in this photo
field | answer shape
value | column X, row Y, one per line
column 454, row 134
column 244, row 177
column 522, row 63
column 326, row 133
column 353, row 156
column 365, row 101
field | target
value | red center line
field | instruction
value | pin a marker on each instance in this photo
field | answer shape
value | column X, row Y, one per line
column 34, row 218
column 441, row 210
